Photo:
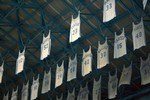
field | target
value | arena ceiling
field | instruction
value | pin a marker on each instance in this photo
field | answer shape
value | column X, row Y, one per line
column 23, row 23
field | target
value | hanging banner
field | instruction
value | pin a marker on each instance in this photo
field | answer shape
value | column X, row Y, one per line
column 71, row 96
column 34, row 88
column 102, row 54
column 112, row 86
column 20, row 61
column 14, row 94
column 97, row 89
column 126, row 76
column 109, row 11
column 75, row 28
column 25, row 91
column 138, row 35
column 45, row 46
column 145, row 71
column 120, row 45
column 6, row 96
column 46, row 82
column 72, row 69
column 1, row 71
column 83, row 93
column 86, row 62
column 59, row 75
column 144, row 3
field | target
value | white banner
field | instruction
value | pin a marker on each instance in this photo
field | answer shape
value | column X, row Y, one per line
column 120, row 45
column 145, row 71
column 126, row 76
column 6, row 96
column 46, row 81
column 86, row 62
column 1, row 72
column 112, row 86
column 97, row 90
column 45, row 46
column 102, row 54
column 34, row 88
column 144, row 3
column 75, row 28
column 59, row 75
column 72, row 69
column 138, row 35
column 25, row 91
column 20, row 61
column 83, row 93
column 109, row 11
column 71, row 96
column 14, row 94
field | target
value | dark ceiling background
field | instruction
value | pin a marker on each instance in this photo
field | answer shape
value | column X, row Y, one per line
column 23, row 22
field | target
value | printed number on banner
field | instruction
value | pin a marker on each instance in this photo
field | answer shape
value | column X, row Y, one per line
column 103, row 54
column 59, row 76
column 35, row 87
column 46, row 46
column 138, row 35
column 21, row 59
column 86, row 62
column 119, row 46
column 74, row 31
column 72, row 70
column 109, row 6
column 46, row 82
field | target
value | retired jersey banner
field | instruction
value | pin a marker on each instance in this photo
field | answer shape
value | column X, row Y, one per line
column 45, row 46
column 102, row 54
column 59, row 75
column 14, row 95
column 138, row 35
column 1, row 72
column 83, row 93
column 75, row 28
column 72, row 69
column 20, row 61
column 25, row 91
column 35, row 88
column 144, row 3
column 126, row 76
column 46, row 81
column 97, row 90
column 109, row 11
column 6, row 96
column 120, row 45
column 71, row 95
column 145, row 71
column 112, row 86
column 86, row 62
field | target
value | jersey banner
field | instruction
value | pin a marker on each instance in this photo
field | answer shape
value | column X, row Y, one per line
column 109, row 11
column 75, row 28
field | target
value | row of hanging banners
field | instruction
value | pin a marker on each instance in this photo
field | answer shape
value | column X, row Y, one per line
column 113, row 83
column 109, row 13
column 138, row 36
column 120, row 50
